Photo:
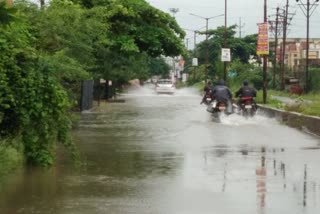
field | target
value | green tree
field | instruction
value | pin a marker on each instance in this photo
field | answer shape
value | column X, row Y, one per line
column 45, row 53
column 6, row 14
column 33, row 104
column 158, row 66
column 241, row 48
column 136, row 32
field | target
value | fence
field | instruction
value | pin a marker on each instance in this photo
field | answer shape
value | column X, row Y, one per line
column 86, row 95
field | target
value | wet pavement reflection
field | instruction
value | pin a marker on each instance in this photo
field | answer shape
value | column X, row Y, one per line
column 164, row 154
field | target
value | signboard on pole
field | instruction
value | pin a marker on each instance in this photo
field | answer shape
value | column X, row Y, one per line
column 195, row 62
column 225, row 55
column 263, row 39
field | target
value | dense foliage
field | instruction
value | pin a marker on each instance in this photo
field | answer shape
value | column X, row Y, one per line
column 242, row 51
column 46, row 52
column 32, row 101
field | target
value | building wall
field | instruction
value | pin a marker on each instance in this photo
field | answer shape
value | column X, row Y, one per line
column 295, row 52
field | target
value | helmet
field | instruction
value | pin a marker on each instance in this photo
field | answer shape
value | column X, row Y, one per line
column 245, row 83
column 220, row 82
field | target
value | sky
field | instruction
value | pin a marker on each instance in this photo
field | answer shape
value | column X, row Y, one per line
column 250, row 12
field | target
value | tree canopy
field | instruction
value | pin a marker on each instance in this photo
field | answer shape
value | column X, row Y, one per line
column 46, row 52
column 241, row 49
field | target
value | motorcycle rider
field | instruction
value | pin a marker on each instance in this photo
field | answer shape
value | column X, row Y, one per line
column 207, row 92
column 245, row 91
column 222, row 93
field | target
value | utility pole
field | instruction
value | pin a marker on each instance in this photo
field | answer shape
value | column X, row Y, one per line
column 280, row 24
column 274, row 28
column 174, row 11
column 207, row 42
column 283, row 53
column 187, row 43
column 240, row 28
column 308, row 10
column 265, row 58
column 225, row 40
column 194, row 37
column 174, row 73
column 194, row 48
column 275, row 50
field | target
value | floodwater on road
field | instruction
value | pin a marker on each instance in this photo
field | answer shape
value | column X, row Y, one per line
column 165, row 154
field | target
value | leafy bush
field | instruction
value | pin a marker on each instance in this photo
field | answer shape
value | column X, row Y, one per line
column 11, row 156
column 33, row 103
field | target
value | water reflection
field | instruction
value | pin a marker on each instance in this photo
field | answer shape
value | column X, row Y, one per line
column 261, row 174
column 305, row 186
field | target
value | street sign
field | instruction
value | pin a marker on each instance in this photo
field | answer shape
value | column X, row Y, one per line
column 225, row 55
column 263, row 39
column 195, row 62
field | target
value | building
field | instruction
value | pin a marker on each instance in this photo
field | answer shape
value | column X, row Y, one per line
column 295, row 53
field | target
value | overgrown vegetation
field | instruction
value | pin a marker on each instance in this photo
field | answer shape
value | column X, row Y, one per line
column 11, row 157
column 46, row 52
column 308, row 104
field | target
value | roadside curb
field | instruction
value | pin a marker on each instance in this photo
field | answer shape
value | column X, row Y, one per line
column 306, row 123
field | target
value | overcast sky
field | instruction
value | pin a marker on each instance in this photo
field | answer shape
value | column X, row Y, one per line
column 249, row 11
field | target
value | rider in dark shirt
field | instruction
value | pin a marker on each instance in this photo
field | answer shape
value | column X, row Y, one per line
column 207, row 92
column 245, row 91
column 221, row 92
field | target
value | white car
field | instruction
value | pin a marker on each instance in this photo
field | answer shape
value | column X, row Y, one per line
column 165, row 86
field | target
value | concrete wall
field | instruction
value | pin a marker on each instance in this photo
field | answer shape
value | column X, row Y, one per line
column 309, row 124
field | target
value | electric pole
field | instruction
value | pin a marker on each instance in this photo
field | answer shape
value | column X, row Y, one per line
column 265, row 58
column 194, row 48
column 207, row 42
column 308, row 10
column 275, row 51
column 274, row 27
column 174, row 11
column 283, row 53
column 225, row 40
column 187, row 43
column 280, row 24
column 240, row 28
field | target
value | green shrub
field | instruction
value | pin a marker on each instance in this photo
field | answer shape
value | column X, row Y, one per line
column 308, row 104
column 11, row 157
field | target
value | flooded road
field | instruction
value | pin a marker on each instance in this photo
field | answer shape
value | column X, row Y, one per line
column 163, row 154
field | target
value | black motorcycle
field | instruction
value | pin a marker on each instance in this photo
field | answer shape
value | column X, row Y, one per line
column 248, row 107
column 219, row 107
column 208, row 98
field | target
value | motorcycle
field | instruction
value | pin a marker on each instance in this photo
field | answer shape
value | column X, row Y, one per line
column 247, row 107
column 208, row 98
column 219, row 107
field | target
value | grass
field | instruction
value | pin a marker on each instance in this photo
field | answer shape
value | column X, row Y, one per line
column 311, row 107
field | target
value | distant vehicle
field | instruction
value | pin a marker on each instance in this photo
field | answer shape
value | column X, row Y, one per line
column 165, row 86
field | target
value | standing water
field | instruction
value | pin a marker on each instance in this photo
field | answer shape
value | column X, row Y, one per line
column 165, row 154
